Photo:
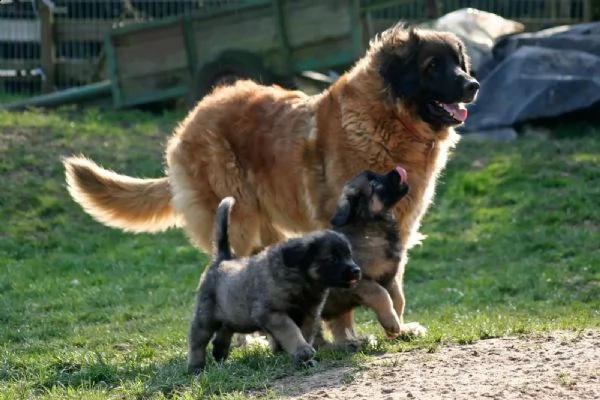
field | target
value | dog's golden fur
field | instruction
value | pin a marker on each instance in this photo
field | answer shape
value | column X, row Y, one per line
column 283, row 155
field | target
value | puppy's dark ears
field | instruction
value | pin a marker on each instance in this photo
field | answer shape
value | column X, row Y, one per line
column 344, row 207
column 298, row 254
column 399, row 67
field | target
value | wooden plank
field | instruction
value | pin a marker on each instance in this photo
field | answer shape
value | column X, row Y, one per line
column 153, row 32
column 19, row 30
column 587, row 10
column 75, row 72
column 23, row 31
column 356, row 27
column 91, row 30
column 151, row 52
column 190, row 45
column 47, row 46
column 319, row 56
column 201, row 14
column 311, row 21
column 167, row 94
column 113, row 71
column 252, row 30
column 151, row 86
column 284, row 43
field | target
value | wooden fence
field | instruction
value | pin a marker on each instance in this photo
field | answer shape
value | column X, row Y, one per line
column 47, row 45
column 47, row 52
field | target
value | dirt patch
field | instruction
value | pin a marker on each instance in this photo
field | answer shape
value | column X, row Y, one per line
column 557, row 365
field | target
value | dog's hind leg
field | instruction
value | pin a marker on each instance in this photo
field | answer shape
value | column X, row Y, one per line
column 222, row 343
column 244, row 229
column 319, row 341
column 269, row 234
column 202, row 329
column 199, row 227
column 310, row 327
column 342, row 328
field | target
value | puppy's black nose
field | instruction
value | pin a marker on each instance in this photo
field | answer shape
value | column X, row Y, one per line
column 470, row 88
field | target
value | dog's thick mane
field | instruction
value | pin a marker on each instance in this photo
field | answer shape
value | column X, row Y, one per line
column 387, row 131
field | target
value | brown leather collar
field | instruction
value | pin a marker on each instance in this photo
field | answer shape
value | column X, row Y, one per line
column 411, row 128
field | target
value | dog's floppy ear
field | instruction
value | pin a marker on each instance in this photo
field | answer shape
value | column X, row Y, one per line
column 298, row 254
column 465, row 59
column 399, row 67
column 344, row 207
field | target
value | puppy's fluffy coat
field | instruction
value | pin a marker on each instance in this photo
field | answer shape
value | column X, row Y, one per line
column 279, row 291
column 365, row 215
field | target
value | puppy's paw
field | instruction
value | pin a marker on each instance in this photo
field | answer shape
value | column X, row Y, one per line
column 319, row 341
column 412, row 330
column 349, row 345
column 310, row 363
column 391, row 327
column 303, row 354
column 275, row 346
column 195, row 368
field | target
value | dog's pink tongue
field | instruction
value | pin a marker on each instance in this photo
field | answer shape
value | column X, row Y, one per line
column 403, row 175
column 457, row 110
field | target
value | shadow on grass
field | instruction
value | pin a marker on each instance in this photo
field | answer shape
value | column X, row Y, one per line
column 251, row 370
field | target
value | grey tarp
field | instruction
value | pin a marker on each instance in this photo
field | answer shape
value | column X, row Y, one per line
column 536, row 75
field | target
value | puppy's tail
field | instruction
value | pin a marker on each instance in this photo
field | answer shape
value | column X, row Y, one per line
column 221, row 248
column 120, row 201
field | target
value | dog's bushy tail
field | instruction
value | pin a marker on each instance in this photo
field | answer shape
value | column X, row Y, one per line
column 120, row 201
column 221, row 248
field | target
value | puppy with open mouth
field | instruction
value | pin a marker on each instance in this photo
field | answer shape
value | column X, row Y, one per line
column 365, row 215
column 280, row 291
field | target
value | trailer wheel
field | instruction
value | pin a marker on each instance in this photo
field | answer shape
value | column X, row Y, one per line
column 228, row 68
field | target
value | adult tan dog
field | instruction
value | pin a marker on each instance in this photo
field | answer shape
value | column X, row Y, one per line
column 285, row 156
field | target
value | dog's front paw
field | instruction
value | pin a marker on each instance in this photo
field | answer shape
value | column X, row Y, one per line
column 412, row 330
column 303, row 354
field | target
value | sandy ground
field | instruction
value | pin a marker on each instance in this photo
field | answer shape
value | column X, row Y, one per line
column 553, row 365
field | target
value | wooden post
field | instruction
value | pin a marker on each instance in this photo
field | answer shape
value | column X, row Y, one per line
column 431, row 8
column 587, row 10
column 47, row 46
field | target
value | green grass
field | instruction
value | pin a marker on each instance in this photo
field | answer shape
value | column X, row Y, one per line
column 90, row 312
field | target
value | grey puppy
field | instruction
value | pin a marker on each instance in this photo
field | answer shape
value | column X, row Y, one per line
column 280, row 291
column 365, row 215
